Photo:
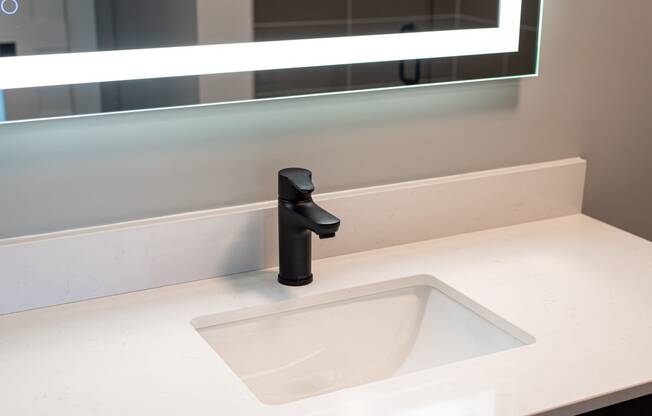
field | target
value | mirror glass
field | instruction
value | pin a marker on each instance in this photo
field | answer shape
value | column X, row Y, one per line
column 73, row 57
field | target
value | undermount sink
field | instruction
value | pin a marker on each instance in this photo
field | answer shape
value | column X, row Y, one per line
column 314, row 345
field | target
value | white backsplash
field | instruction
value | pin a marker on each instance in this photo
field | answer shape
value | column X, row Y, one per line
column 74, row 265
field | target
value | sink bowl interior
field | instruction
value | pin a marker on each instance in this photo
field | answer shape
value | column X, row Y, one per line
column 315, row 345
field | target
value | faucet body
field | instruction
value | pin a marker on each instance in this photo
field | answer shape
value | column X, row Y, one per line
column 298, row 218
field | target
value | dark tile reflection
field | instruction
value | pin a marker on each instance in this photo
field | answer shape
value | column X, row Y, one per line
column 307, row 11
column 367, row 17
column 301, row 81
column 322, row 30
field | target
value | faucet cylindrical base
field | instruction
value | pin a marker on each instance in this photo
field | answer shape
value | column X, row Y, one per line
column 295, row 282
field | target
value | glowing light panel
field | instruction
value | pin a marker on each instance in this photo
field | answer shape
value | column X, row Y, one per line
column 78, row 68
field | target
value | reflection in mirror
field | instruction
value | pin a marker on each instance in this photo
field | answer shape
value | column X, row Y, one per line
column 47, row 27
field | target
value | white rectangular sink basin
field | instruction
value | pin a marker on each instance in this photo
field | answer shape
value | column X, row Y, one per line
column 314, row 345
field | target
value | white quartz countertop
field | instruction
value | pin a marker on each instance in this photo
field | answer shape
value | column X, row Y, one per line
column 583, row 289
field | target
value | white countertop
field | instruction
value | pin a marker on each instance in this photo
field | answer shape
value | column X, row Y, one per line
column 583, row 289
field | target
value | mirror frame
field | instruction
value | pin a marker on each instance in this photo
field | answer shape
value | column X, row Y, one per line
column 121, row 65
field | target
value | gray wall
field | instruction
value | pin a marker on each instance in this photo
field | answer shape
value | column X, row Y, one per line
column 592, row 100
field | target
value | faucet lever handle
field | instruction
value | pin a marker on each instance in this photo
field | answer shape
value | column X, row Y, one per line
column 295, row 184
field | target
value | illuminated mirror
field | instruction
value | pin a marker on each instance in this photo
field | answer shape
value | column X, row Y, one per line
column 72, row 57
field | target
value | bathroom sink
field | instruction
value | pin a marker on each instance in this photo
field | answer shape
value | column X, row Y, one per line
column 314, row 345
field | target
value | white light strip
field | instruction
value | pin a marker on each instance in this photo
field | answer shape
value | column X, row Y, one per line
column 79, row 68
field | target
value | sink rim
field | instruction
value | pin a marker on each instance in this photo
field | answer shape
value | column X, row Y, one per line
column 349, row 294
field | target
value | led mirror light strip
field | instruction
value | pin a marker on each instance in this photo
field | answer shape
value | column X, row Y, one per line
column 79, row 68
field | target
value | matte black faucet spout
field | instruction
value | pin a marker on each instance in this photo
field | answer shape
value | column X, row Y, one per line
column 298, row 217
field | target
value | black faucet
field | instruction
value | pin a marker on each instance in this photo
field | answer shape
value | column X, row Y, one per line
column 298, row 216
